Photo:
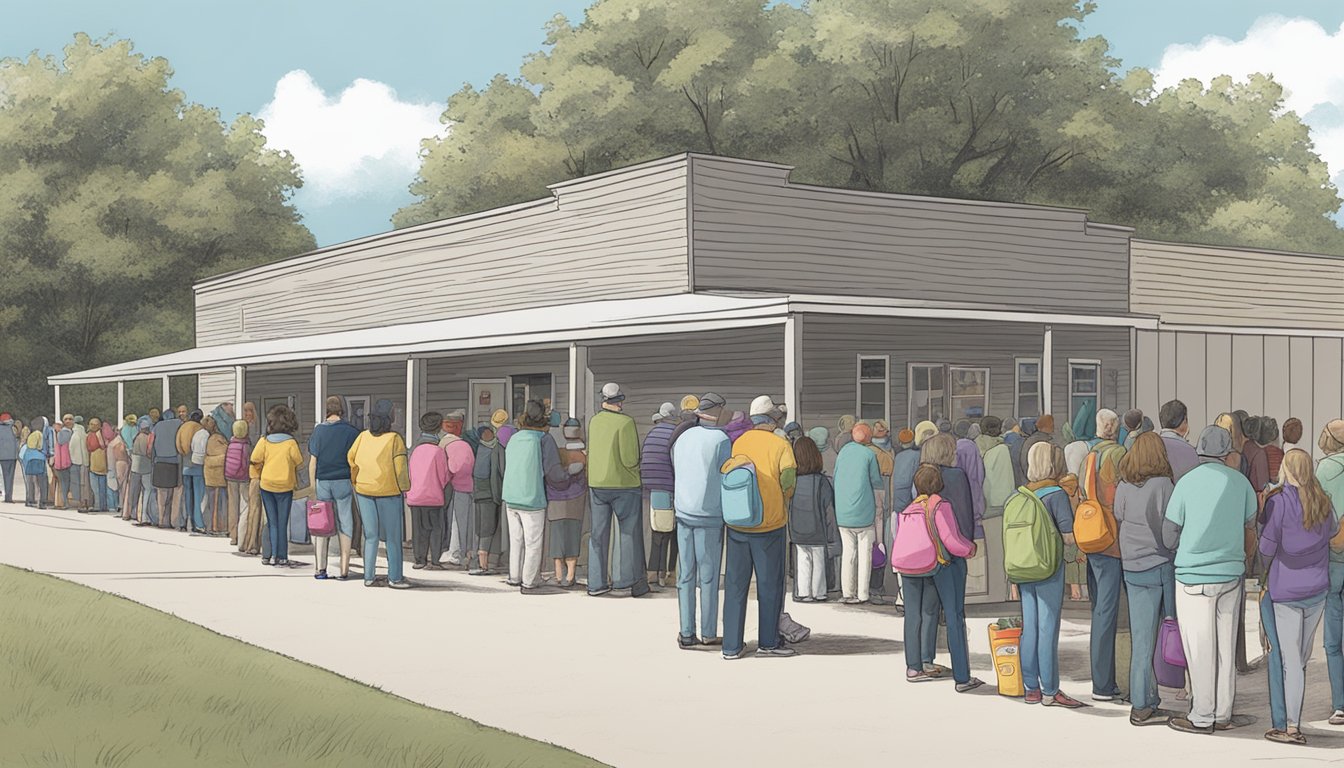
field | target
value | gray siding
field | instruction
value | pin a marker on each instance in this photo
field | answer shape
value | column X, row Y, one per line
column 751, row 229
column 213, row 388
column 449, row 378
column 618, row 235
column 1194, row 284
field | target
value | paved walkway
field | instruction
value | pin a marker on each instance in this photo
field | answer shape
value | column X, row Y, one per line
column 604, row 676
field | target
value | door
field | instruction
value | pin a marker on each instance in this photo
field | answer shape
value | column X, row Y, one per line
column 1084, row 387
column 487, row 396
column 530, row 386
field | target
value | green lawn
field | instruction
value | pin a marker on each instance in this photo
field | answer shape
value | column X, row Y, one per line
column 89, row 679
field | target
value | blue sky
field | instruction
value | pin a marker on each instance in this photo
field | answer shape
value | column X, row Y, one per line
column 382, row 71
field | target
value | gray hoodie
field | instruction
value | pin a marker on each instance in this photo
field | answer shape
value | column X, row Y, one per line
column 1141, row 511
column 9, row 442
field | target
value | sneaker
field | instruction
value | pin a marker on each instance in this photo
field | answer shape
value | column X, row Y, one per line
column 1337, row 718
column 1149, row 716
column 821, row 598
column 455, row 560
column 418, row 567
column 686, row 643
column 936, row 670
column 804, row 599
column 321, row 576
column 1105, row 696
column 599, row 592
column 1184, row 725
column 781, row 651
column 369, row 583
column 403, row 584
column 566, row 583
column 969, row 685
column 849, row 601
column 654, row 587
column 478, row 571
column 1032, row 697
column 1284, row 737
column 732, row 656
column 918, row 676
column 513, row 583
column 1062, row 699
column 265, row 561
column 900, row 610
column 712, row 641
column 436, row 567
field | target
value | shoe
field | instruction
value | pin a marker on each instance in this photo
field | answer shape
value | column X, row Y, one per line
column 849, row 601
column 369, row 583
column 480, row 572
column 455, row 560
column 1184, row 725
column 526, row 590
column 1150, row 716
column 1105, row 696
column 937, row 670
column 418, row 567
column 805, row 599
column 821, row 598
column 918, row 676
column 1032, row 697
column 599, row 592
column 321, row 576
column 781, row 651
column 969, row 685
column 1062, row 699
column 900, row 610
column 732, row 656
column 513, row 583
column 1284, row 737
column 403, row 584
column 687, row 643
column 436, row 567
column 265, row 561
column 653, row 587
column 1337, row 718
column 343, row 577
column 1229, row 725
column 712, row 641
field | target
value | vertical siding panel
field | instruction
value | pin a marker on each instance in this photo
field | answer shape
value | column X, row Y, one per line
column 1249, row 373
column 1166, row 369
column 1326, row 381
column 1276, row 377
column 1301, row 377
column 1146, row 376
column 1190, row 375
column 1218, row 375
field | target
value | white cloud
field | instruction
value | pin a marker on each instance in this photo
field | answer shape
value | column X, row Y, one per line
column 362, row 141
column 1299, row 53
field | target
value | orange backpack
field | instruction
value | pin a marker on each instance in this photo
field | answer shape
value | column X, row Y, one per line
column 1095, row 529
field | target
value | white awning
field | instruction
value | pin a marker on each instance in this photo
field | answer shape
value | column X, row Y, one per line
column 559, row 325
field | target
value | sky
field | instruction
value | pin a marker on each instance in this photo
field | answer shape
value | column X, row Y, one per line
column 350, row 88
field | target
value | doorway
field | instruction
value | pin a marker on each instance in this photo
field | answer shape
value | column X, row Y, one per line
column 487, row 396
column 531, row 386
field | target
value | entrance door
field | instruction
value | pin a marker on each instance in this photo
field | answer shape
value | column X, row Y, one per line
column 487, row 396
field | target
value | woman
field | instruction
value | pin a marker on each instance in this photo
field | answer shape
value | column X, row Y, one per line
column 1300, row 522
column 567, row 505
column 275, row 463
column 142, row 464
column 193, row 471
column 487, row 476
column 35, row 465
column 940, row 450
column 380, row 473
column 811, row 512
column 216, row 485
column 118, row 468
column 1269, row 440
column 97, row 446
column 1232, row 423
column 1075, row 562
column 238, row 480
column 128, row 432
column 1043, row 600
column 943, row 581
column 61, row 460
column 1150, row 576
column 531, row 460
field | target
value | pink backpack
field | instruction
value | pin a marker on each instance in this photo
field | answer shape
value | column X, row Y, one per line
column 235, row 461
column 916, row 549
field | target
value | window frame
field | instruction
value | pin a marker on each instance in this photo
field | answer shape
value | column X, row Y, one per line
column 947, row 378
column 1083, row 362
column 910, row 388
column 1017, row 386
column 860, row 380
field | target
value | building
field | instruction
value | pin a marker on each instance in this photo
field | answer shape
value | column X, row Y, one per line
column 693, row 273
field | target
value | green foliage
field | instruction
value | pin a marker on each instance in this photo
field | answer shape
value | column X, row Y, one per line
column 116, row 194
column 987, row 99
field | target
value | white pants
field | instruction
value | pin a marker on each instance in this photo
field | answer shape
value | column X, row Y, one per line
column 811, row 580
column 856, row 562
column 526, row 527
column 1296, row 629
column 1208, row 620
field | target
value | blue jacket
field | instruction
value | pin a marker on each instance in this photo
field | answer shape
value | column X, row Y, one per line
column 697, row 456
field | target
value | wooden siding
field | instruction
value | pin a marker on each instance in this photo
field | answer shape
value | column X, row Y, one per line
column 1111, row 347
column 1203, row 284
column 623, row 235
column 213, row 388
column 449, row 378
column 753, row 230
column 287, row 382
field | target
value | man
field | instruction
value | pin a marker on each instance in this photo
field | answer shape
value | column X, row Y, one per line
column 655, row 463
column 858, row 485
column 1175, row 426
column 1253, row 454
column 614, row 483
column 167, row 474
column 760, row 550
column 193, row 474
column 459, row 530
column 532, row 460
column 1013, row 436
column 998, row 488
column 79, row 463
column 182, row 413
column 1045, row 429
column 329, row 466
column 1211, row 507
column 1105, row 574
column 9, row 453
column 697, row 456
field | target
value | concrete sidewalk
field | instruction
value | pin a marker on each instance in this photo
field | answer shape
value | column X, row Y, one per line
column 604, row 676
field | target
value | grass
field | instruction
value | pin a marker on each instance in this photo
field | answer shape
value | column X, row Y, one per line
column 90, row 679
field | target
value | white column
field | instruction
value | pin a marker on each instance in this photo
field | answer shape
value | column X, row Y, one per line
column 412, row 388
column 319, row 393
column 578, row 382
column 56, row 394
column 121, row 401
column 793, row 367
column 167, row 396
column 1048, row 370
column 239, row 390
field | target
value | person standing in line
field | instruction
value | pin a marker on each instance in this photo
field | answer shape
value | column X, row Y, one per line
column 996, row 488
column 882, row 447
column 167, row 474
column 1211, row 506
column 857, row 483
column 9, row 453
column 216, row 485
column 1330, row 474
column 120, row 453
column 329, row 467
column 615, row 490
column 60, row 466
column 1175, row 429
column 97, row 446
column 34, row 459
column 1292, row 434
column 488, row 487
column 1253, row 454
column 275, row 463
column 1299, row 526
column 1131, row 426
column 697, row 456
column 238, row 478
column 531, row 460
column 380, row 475
column 1150, row 578
column 1105, row 573
column 810, row 511
column 1269, row 441
column 656, row 473
column 79, row 463
column 193, row 474
column 687, row 419
column 142, row 465
column 940, row 450
column 429, row 479
column 1044, row 433
column 567, row 504
column 460, row 533
column 760, row 550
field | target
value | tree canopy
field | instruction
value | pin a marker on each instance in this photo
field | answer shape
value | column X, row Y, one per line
column 116, row 194
column 987, row 99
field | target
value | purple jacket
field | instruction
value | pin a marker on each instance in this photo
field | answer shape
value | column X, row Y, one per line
column 970, row 462
column 1301, row 557
column 655, row 458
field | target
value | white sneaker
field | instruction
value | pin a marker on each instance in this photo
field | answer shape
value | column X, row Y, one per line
column 454, row 559
column 1337, row 718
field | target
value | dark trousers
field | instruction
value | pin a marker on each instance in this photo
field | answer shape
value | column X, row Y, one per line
column 948, row 586
column 663, row 551
column 762, row 554
column 1105, row 579
column 7, row 470
column 277, row 521
column 626, row 506
column 427, row 529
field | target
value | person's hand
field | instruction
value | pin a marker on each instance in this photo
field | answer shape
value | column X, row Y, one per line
column 1082, row 559
column 575, row 467
column 974, row 549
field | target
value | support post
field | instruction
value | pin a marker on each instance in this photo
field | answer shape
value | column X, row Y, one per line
column 239, row 391
column 1048, row 370
column 578, row 382
column 793, row 367
column 121, row 401
column 319, row 393
column 56, row 394
column 412, row 390
column 167, row 396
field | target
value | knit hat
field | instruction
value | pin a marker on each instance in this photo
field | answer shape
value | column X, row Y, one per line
column 611, row 393
column 944, row 426
column 145, row 424
column 974, row 432
column 690, row 403
column 862, row 433
column 239, row 428
column 820, row 436
column 923, row 431
column 1133, row 419
column 765, row 406
column 906, row 437
column 498, row 418
column 665, row 411
column 709, row 401
column 79, row 419
column 793, row 430
column 962, row 428
column 1214, row 443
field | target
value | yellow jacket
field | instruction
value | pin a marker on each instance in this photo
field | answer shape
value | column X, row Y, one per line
column 185, row 433
column 276, row 464
column 378, row 464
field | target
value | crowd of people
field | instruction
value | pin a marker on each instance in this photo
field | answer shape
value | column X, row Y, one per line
column 1113, row 504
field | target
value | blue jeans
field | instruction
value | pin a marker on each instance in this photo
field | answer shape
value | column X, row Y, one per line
column 1104, row 579
column 99, row 483
column 699, row 556
column 1042, row 602
column 1278, row 707
column 342, row 494
column 948, row 584
column 383, row 517
column 1152, row 597
column 763, row 554
column 76, row 489
column 277, row 521
column 7, row 470
column 627, row 506
column 193, row 495
column 1334, row 634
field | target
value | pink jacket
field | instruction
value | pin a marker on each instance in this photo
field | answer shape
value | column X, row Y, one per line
column 461, row 462
column 948, row 532
column 429, row 476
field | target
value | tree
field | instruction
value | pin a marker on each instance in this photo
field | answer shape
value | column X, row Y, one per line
column 987, row 99
column 116, row 194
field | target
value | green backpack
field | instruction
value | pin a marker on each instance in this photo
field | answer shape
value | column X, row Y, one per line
column 1032, row 546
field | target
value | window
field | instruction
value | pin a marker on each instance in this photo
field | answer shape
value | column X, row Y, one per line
column 927, row 392
column 970, row 392
column 1084, row 386
column 1028, row 392
column 530, row 386
column 874, row 388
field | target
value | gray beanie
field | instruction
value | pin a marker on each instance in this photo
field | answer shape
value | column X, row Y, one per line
column 1214, row 443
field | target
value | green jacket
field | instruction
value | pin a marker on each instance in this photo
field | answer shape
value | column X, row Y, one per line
column 998, row 476
column 1330, row 472
column 613, row 452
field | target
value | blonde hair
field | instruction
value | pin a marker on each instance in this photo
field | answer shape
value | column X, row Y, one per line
column 208, row 424
column 1332, row 437
column 1232, row 424
column 1041, row 462
column 1108, row 424
column 941, row 449
column 1297, row 471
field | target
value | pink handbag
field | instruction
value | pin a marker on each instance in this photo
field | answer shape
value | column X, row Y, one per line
column 321, row 518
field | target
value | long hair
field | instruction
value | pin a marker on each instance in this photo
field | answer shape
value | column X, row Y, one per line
column 1297, row 471
column 1040, row 462
column 281, row 419
column 1145, row 460
column 1232, row 424
column 941, row 449
column 807, row 456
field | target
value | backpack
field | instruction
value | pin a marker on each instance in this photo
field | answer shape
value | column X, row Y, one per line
column 1032, row 546
column 742, row 504
column 1094, row 527
column 61, row 458
column 236, row 462
column 916, row 549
